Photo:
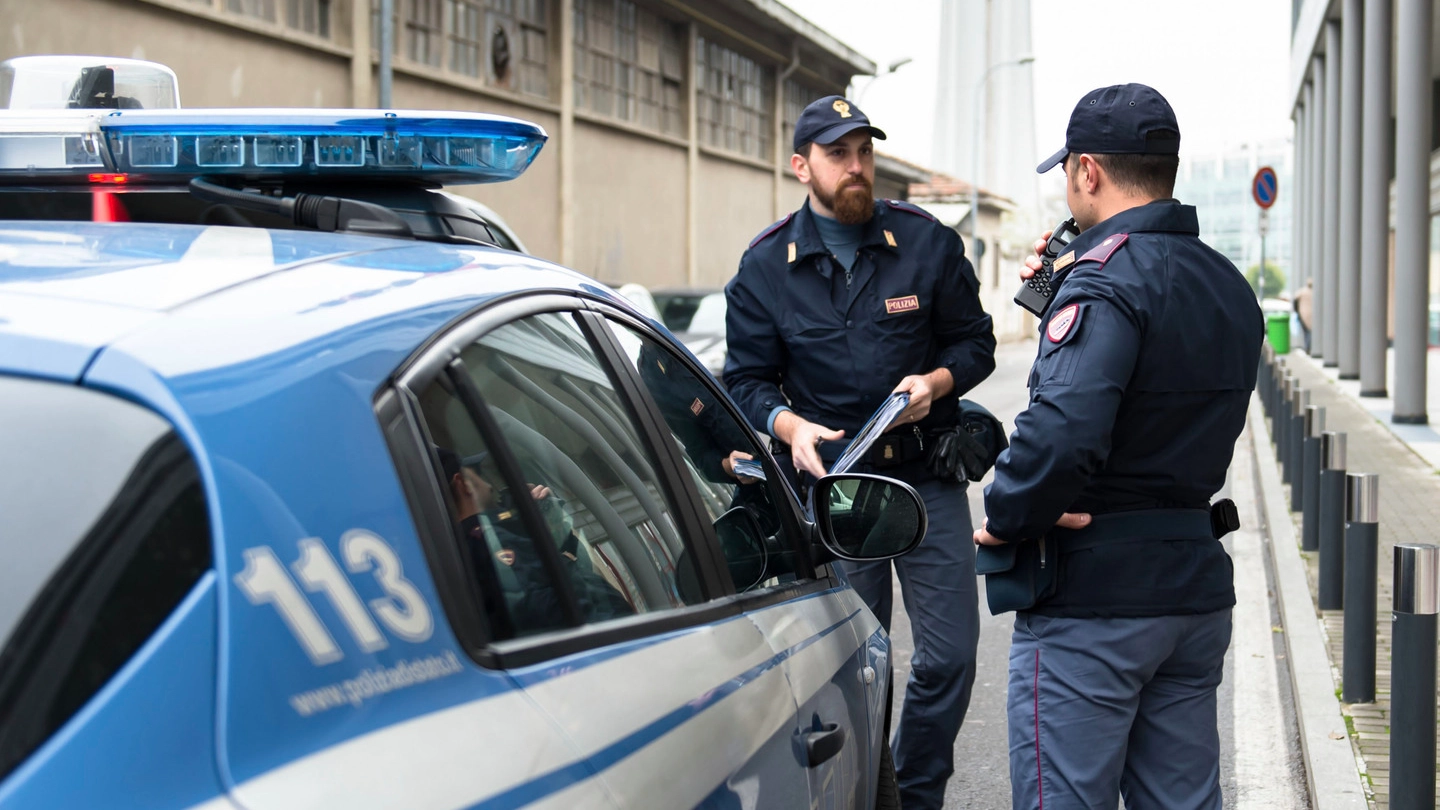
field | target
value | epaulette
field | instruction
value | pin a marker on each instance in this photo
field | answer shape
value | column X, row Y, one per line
column 772, row 229
column 1102, row 252
column 911, row 208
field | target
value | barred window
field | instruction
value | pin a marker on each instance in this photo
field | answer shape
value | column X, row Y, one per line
column 628, row 64
column 424, row 25
column 515, row 46
column 736, row 97
column 797, row 95
column 263, row 9
column 503, row 41
column 310, row 16
column 463, row 21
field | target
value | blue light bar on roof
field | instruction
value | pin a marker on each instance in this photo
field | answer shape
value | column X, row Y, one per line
column 440, row 148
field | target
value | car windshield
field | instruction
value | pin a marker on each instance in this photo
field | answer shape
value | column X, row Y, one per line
column 692, row 311
column 68, row 452
column 709, row 317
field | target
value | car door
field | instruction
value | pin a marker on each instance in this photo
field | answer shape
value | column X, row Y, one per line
column 828, row 643
column 600, row 590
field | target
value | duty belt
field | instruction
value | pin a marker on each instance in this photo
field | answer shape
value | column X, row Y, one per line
column 889, row 450
column 1144, row 524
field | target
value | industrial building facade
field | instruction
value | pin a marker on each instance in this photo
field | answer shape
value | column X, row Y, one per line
column 670, row 121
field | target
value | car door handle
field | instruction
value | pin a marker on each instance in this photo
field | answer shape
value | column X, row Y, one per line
column 823, row 743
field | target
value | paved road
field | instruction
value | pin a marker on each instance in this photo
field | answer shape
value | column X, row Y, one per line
column 1268, row 742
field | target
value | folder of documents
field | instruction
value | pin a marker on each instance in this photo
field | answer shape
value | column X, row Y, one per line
column 877, row 424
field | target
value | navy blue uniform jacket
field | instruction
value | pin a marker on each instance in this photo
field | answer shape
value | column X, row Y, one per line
column 1148, row 354
column 796, row 333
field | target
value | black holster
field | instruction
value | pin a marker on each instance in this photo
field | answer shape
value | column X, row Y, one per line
column 969, row 449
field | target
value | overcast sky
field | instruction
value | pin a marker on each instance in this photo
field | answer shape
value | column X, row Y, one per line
column 1223, row 64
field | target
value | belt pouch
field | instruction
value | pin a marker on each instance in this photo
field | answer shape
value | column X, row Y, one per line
column 1017, row 575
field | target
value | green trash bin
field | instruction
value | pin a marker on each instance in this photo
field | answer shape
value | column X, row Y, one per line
column 1277, row 331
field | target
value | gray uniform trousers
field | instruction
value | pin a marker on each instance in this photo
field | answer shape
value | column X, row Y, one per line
column 1105, row 708
column 937, row 582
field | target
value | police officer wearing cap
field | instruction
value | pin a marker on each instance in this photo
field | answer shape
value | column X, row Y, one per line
column 1148, row 354
column 834, row 308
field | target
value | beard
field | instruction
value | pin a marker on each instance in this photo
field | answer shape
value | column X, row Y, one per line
column 853, row 203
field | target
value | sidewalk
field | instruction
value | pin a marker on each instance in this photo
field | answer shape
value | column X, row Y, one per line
column 1424, row 440
column 1409, row 512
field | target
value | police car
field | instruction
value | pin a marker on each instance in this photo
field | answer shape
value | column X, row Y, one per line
column 312, row 497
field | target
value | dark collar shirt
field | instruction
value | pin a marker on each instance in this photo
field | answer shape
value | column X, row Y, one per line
column 804, row 334
column 1148, row 354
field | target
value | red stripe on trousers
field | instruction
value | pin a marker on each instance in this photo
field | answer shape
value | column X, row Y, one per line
column 1039, row 772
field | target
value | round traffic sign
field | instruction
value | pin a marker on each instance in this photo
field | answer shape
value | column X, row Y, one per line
column 1264, row 187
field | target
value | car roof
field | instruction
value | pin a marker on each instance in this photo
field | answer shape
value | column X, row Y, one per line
column 181, row 300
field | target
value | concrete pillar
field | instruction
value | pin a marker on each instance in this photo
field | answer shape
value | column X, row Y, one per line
column 567, row 133
column 362, row 91
column 1412, row 208
column 1330, row 170
column 1375, row 203
column 1347, row 288
column 692, row 162
column 1315, row 191
column 1299, row 264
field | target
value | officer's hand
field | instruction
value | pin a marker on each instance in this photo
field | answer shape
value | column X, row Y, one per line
column 804, row 438
column 1069, row 520
column 1032, row 263
column 923, row 389
column 1073, row 520
column 728, row 465
column 983, row 537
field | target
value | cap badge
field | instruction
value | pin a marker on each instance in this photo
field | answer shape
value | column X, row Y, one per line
column 1064, row 321
column 841, row 107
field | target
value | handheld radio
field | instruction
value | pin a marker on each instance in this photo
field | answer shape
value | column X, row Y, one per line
column 1038, row 289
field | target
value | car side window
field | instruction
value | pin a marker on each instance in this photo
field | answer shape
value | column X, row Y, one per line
column 755, row 540
column 567, row 522
column 136, row 542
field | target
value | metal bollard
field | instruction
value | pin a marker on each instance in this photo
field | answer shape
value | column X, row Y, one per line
column 1295, row 447
column 1277, row 402
column 1262, row 376
column 1412, row 677
column 1331, row 492
column 1362, row 545
column 1267, row 383
column 1310, row 472
column 1282, row 428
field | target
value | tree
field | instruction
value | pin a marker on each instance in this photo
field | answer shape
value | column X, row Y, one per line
column 1274, row 280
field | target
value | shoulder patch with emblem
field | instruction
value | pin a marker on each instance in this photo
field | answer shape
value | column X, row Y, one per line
column 772, row 229
column 911, row 208
column 1102, row 252
column 1062, row 324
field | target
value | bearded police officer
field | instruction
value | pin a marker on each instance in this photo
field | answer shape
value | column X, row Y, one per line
column 834, row 308
column 1148, row 354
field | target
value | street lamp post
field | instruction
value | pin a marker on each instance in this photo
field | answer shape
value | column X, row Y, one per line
column 975, row 150
column 894, row 66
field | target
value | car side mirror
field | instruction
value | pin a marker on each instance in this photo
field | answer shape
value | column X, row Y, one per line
column 742, row 541
column 868, row 517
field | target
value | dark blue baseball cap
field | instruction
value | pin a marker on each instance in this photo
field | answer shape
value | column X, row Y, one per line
column 828, row 119
column 1119, row 120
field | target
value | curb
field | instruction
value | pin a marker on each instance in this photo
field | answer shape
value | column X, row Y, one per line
column 1331, row 770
